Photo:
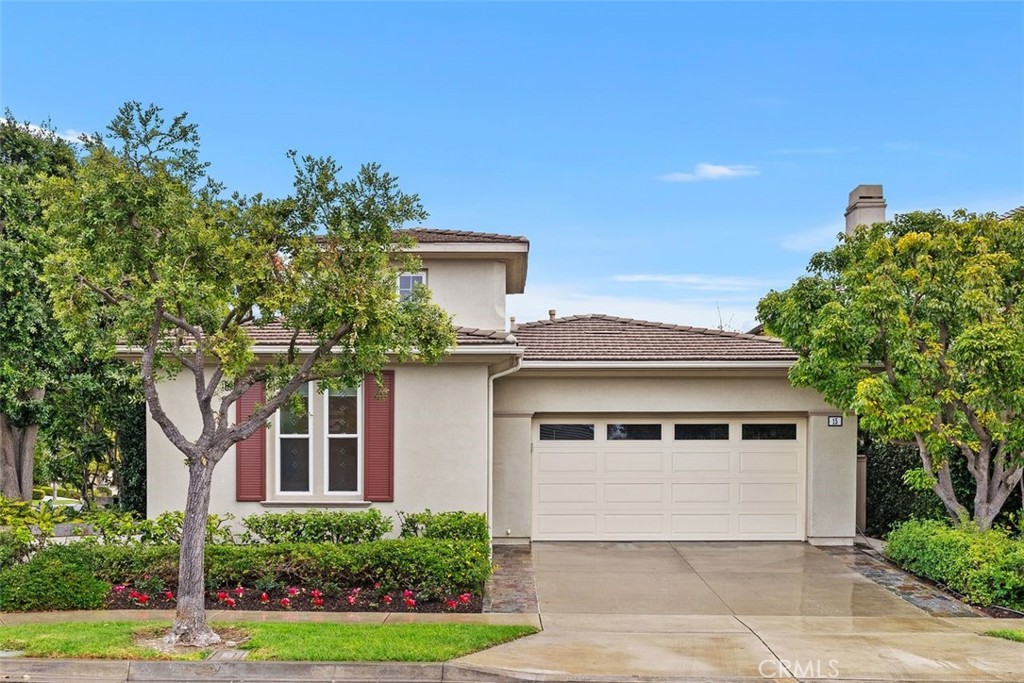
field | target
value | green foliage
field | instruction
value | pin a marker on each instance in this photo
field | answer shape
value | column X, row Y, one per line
column 987, row 567
column 49, row 583
column 430, row 567
column 14, row 548
column 317, row 526
column 130, row 473
column 918, row 325
column 455, row 525
column 112, row 527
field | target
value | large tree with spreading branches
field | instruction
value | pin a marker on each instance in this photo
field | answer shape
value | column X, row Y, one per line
column 917, row 324
column 151, row 255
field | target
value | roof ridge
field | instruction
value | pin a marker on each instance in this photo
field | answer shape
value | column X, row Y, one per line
column 464, row 233
column 713, row 332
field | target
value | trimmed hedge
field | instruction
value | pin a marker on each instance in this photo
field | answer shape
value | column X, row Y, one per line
column 49, row 583
column 429, row 567
column 13, row 549
column 454, row 526
column 986, row 567
column 317, row 526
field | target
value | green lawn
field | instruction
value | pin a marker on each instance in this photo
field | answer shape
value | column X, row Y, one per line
column 1009, row 634
column 268, row 641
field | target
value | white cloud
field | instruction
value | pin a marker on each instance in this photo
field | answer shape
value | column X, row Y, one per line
column 729, row 312
column 70, row 135
column 703, row 283
column 704, row 171
column 815, row 239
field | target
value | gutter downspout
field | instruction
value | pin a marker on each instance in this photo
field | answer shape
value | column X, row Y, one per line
column 516, row 366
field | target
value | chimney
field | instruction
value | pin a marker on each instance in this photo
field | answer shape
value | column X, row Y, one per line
column 867, row 206
column 512, row 327
column 552, row 314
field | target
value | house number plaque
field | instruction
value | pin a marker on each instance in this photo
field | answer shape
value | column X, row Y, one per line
column 835, row 420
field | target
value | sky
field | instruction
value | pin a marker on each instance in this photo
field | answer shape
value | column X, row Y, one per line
column 669, row 161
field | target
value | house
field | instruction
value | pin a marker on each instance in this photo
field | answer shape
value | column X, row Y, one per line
column 584, row 427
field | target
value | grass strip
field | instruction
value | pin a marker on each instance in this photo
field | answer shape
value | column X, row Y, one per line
column 1008, row 634
column 268, row 641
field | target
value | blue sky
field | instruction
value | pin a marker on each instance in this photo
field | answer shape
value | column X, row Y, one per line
column 668, row 161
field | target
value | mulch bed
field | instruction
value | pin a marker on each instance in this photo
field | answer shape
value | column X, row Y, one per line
column 363, row 600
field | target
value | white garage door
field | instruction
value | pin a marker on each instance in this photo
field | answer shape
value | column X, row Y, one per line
column 636, row 478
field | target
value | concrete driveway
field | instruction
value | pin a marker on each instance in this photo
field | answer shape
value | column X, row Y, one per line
column 735, row 611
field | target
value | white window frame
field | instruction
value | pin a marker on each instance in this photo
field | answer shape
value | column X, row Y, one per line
column 327, row 436
column 309, row 451
column 422, row 274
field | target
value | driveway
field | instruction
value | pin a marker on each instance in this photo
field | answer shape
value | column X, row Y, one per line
column 737, row 611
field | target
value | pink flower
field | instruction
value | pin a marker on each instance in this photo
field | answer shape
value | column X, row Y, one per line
column 386, row 599
column 409, row 602
column 351, row 599
column 376, row 585
column 452, row 604
column 465, row 597
column 239, row 591
column 407, row 593
column 293, row 591
column 230, row 602
column 357, row 591
column 286, row 603
column 119, row 588
column 264, row 598
column 169, row 595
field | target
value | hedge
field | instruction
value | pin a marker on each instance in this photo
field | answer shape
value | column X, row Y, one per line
column 48, row 583
column 430, row 567
column 454, row 526
column 986, row 567
column 317, row 526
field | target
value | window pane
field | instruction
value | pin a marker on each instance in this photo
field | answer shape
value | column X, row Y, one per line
column 343, row 465
column 629, row 432
column 343, row 412
column 567, row 432
column 296, row 423
column 294, row 464
column 769, row 432
column 708, row 432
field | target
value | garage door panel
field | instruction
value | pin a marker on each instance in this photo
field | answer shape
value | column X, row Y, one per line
column 671, row 489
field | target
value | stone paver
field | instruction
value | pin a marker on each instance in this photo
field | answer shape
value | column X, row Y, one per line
column 511, row 589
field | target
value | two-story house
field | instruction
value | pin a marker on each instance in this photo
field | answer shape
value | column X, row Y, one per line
column 574, row 428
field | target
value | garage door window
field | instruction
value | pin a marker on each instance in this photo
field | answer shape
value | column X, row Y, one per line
column 769, row 432
column 634, row 432
column 702, row 432
column 567, row 432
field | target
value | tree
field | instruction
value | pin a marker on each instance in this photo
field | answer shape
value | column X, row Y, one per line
column 151, row 255
column 31, row 348
column 918, row 325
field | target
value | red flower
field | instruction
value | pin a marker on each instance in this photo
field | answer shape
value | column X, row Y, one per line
column 143, row 599
column 264, row 598
column 386, row 599
column 452, row 604
column 409, row 602
column 133, row 594
column 318, row 602
column 351, row 599
column 293, row 591
column 169, row 595
column 239, row 591
column 230, row 602
column 222, row 596
column 466, row 597
column 407, row 593
column 316, row 594
column 286, row 603
column 377, row 585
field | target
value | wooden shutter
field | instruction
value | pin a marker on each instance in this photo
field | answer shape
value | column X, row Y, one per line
column 251, row 454
column 379, row 439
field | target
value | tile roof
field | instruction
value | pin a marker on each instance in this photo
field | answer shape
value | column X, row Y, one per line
column 607, row 338
column 434, row 235
column 276, row 334
column 1019, row 211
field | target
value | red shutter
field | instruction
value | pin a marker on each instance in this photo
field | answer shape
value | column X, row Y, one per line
column 379, row 439
column 251, row 454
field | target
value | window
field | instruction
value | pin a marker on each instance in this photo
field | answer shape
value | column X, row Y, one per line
column 407, row 282
column 293, row 447
column 342, row 452
column 634, row 432
column 567, row 432
column 330, row 463
column 702, row 432
column 769, row 432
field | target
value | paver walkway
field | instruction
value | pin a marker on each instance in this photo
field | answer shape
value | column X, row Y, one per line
column 511, row 589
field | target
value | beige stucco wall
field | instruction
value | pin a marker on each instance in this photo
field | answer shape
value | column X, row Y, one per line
column 440, row 446
column 832, row 456
column 473, row 291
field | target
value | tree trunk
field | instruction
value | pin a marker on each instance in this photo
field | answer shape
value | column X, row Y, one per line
column 190, row 627
column 988, row 506
column 17, row 458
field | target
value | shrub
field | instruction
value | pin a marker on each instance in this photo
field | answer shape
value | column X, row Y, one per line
column 14, row 547
column 987, row 567
column 121, row 528
column 48, row 583
column 317, row 526
column 455, row 526
column 428, row 566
